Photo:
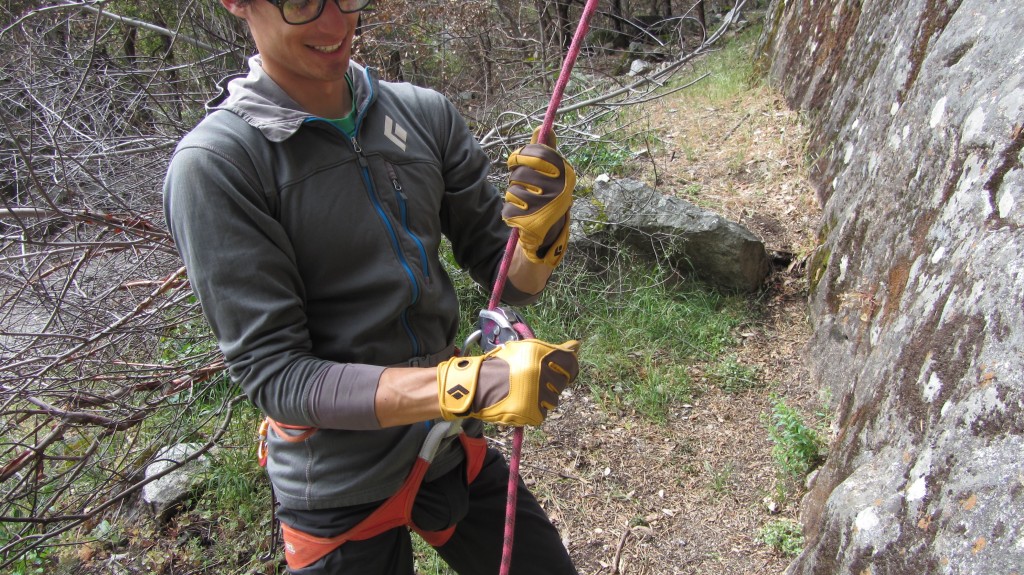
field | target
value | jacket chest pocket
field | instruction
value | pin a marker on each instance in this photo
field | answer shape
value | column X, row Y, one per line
column 413, row 194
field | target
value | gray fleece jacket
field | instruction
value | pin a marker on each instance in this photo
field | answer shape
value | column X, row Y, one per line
column 315, row 258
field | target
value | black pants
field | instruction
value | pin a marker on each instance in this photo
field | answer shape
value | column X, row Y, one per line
column 474, row 549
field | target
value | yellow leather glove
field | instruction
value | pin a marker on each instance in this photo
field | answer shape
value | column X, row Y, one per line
column 514, row 384
column 538, row 200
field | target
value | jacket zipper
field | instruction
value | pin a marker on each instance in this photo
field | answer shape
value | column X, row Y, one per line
column 403, row 203
column 371, row 192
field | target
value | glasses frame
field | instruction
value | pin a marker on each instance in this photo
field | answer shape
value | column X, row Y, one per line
column 320, row 10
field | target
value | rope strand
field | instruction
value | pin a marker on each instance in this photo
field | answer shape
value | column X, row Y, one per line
column 544, row 137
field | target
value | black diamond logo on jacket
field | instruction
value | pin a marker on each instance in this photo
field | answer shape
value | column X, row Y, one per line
column 458, row 392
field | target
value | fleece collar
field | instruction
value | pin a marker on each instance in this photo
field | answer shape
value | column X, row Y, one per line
column 258, row 100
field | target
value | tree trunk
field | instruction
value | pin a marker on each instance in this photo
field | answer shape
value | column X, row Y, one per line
column 564, row 28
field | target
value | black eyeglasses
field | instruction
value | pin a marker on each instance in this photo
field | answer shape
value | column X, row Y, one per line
column 305, row 11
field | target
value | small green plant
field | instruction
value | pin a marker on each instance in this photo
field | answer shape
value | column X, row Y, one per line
column 785, row 536
column 32, row 563
column 731, row 376
column 720, row 477
column 797, row 448
column 692, row 191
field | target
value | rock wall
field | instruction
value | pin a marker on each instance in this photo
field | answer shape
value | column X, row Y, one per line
column 917, row 287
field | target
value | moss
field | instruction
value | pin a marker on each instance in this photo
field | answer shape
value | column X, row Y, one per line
column 817, row 267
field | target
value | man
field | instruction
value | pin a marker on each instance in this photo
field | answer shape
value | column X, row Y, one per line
column 309, row 206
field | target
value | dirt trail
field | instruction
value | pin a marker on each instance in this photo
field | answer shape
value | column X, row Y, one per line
column 637, row 498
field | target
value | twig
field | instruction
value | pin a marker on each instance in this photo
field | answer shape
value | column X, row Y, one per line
column 618, row 550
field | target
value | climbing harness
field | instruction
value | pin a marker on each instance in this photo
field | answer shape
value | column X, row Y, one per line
column 303, row 549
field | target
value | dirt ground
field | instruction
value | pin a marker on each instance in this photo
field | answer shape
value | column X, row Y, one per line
column 689, row 497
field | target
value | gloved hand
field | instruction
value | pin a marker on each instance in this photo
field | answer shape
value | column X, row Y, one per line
column 538, row 200
column 513, row 384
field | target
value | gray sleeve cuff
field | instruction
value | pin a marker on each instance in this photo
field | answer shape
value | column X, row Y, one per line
column 513, row 296
column 343, row 396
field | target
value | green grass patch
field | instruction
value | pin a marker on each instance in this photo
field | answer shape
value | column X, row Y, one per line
column 731, row 376
column 641, row 328
column 729, row 69
column 426, row 561
column 640, row 333
column 785, row 536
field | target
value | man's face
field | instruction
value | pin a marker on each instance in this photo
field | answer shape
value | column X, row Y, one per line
column 303, row 57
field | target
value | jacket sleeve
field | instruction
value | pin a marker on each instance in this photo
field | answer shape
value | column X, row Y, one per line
column 471, row 211
column 242, row 268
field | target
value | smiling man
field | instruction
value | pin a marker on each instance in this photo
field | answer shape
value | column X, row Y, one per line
column 309, row 207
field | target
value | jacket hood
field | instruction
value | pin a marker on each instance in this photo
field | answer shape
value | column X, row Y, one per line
column 256, row 98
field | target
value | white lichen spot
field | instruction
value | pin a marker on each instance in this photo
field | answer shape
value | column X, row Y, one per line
column 855, row 123
column 1012, row 104
column 932, row 388
column 894, row 141
column 847, row 153
column 938, row 254
column 974, row 123
column 867, row 519
column 814, row 46
column 1006, row 204
column 938, row 111
column 894, row 109
column 843, row 264
column 906, row 131
column 917, row 490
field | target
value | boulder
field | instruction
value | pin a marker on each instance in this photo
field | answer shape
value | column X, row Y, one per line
column 669, row 229
column 162, row 496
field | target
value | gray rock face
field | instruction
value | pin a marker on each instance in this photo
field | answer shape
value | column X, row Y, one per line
column 918, row 286
column 672, row 230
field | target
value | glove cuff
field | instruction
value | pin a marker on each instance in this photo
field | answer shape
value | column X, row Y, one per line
column 457, row 384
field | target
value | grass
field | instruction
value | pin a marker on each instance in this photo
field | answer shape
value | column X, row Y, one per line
column 426, row 560
column 642, row 329
column 730, row 70
column 641, row 332
column 720, row 479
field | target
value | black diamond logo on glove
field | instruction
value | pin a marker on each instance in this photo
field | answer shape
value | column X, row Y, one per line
column 458, row 392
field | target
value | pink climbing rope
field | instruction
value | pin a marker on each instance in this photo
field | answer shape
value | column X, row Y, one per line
column 543, row 136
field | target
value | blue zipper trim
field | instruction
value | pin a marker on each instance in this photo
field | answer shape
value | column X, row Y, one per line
column 403, row 213
column 371, row 192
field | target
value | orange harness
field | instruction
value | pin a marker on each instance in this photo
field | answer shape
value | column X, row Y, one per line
column 303, row 549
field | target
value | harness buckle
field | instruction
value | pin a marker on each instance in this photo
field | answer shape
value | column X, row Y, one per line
column 495, row 327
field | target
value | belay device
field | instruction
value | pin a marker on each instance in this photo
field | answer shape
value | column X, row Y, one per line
column 495, row 327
